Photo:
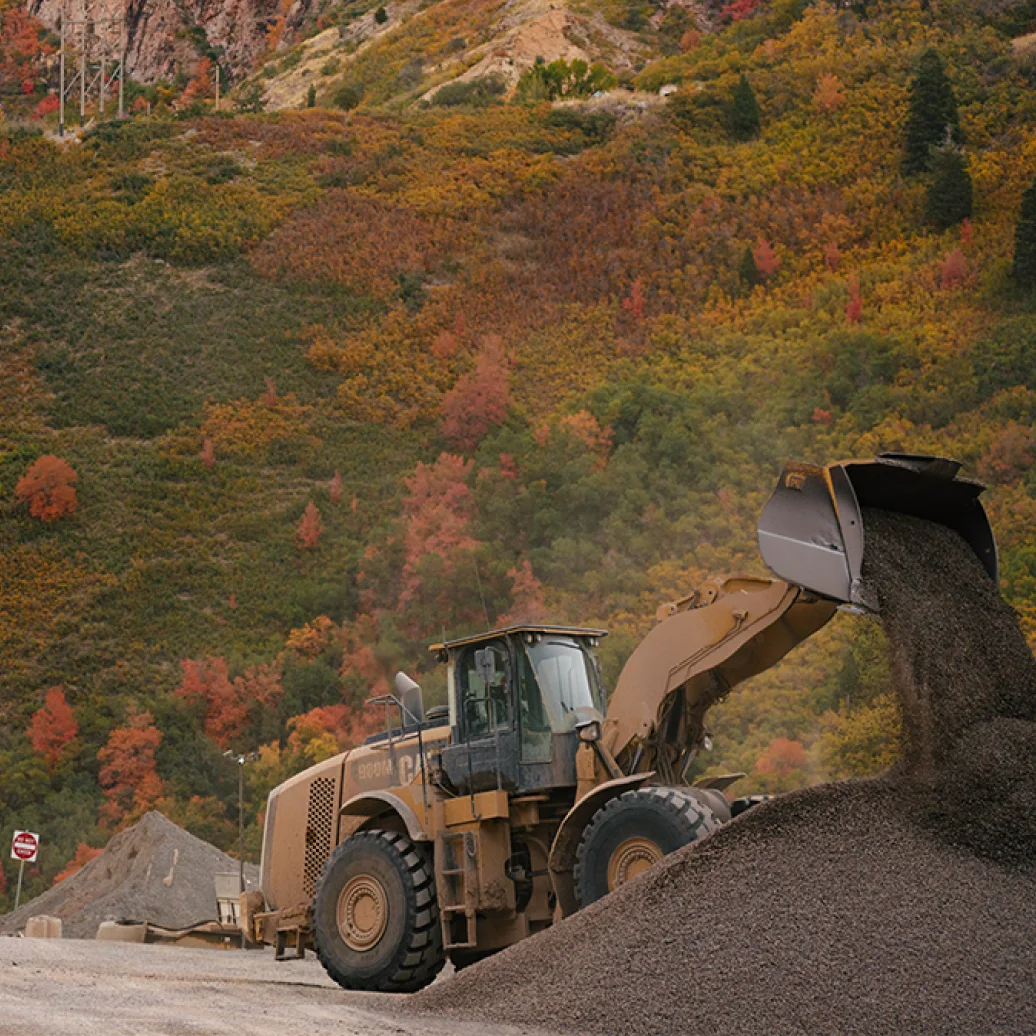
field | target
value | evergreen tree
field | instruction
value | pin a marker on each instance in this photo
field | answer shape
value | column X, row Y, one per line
column 1024, row 267
column 744, row 111
column 381, row 16
column 933, row 114
column 949, row 196
column 747, row 270
column 311, row 96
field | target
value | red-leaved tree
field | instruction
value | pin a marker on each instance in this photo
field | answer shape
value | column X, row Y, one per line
column 82, row 856
column 854, row 311
column 47, row 488
column 766, row 261
column 781, row 756
column 128, row 773
column 478, row 400
column 954, row 270
column 310, row 528
column 228, row 704
column 53, row 727
column 207, row 453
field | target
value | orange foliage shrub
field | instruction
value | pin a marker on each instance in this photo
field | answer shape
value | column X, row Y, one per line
column 527, row 602
column 437, row 515
column 47, row 488
column 953, row 271
column 479, row 400
column 781, row 756
column 1009, row 456
column 310, row 528
column 349, row 727
column 854, row 311
column 207, row 453
column 387, row 376
column 689, row 40
column 634, row 302
column 766, row 261
column 828, row 96
column 202, row 85
column 247, row 426
column 128, row 774
column 82, row 856
column 335, row 488
column 312, row 638
column 832, row 256
column 361, row 242
column 53, row 727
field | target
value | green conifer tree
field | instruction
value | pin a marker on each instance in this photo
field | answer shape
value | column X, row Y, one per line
column 933, row 114
column 747, row 271
column 311, row 96
column 949, row 197
column 744, row 111
column 1023, row 268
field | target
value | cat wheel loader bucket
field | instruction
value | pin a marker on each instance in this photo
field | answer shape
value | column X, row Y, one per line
column 811, row 531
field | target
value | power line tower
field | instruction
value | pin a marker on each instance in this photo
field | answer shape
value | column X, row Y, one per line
column 100, row 31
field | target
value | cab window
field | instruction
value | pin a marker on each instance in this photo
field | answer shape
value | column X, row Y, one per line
column 485, row 705
column 533, row 717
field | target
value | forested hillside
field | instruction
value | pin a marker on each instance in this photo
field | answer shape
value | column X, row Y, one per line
column 287, row 396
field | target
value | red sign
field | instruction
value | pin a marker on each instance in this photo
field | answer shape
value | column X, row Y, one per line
column 25, row 846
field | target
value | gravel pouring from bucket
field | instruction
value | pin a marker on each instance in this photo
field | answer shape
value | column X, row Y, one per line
column 811, row 531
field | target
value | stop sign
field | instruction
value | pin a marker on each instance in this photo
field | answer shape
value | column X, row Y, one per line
column 25, row 846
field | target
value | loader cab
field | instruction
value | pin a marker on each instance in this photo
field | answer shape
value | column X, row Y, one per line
column 517, row 697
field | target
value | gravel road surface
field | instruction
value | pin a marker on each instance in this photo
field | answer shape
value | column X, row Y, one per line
column 73, row 987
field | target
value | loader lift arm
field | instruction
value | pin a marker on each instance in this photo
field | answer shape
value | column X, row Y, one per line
column 728, row 630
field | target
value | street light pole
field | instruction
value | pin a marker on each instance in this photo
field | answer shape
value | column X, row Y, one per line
column 241, row 760
column 241, row 821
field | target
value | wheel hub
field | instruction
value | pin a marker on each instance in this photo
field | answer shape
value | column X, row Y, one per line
column 362, row 912
column 630, row 858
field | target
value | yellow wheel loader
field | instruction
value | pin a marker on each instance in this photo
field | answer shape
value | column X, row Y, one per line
column 458, row 832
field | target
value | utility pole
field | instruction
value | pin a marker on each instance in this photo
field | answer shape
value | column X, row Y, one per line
column 61, row 76
column 82, row 71
column 104, row 61
column 241, row 822
column 122, row 60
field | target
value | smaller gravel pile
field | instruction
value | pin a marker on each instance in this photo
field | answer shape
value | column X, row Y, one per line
column 153, row 871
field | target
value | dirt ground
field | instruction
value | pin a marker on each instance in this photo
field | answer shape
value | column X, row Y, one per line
column 69, row 987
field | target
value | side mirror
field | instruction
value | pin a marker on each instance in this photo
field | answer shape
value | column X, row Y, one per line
column 409, row 693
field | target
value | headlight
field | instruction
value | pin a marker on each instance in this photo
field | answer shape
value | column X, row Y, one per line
column 589, row 731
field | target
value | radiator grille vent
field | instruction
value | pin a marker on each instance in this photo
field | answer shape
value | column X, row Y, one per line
column 319, row 830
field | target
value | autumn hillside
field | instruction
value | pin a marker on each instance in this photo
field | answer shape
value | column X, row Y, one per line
column 287, row 395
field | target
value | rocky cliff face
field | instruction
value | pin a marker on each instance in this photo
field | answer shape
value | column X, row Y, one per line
column 169, row 36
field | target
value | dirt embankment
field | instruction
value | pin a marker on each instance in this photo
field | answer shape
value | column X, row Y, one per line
column 899, row 905
column 153, row 871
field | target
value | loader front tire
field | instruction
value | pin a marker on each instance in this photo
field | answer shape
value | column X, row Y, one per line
column 375, row 915
column 631, row 833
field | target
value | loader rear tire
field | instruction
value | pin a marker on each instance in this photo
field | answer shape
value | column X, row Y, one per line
column 375, row 915
column 632, row 832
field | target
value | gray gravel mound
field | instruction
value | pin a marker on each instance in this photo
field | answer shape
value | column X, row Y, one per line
column 900, row 905
column 153, row 871
column 824, row 911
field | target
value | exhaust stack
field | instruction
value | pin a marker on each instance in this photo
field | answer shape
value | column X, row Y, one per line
column 811, row 531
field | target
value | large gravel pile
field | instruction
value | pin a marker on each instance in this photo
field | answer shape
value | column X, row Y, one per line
column 902, row 905
column 153, row 871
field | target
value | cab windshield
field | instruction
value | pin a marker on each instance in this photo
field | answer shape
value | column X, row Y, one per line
column 567, row 677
